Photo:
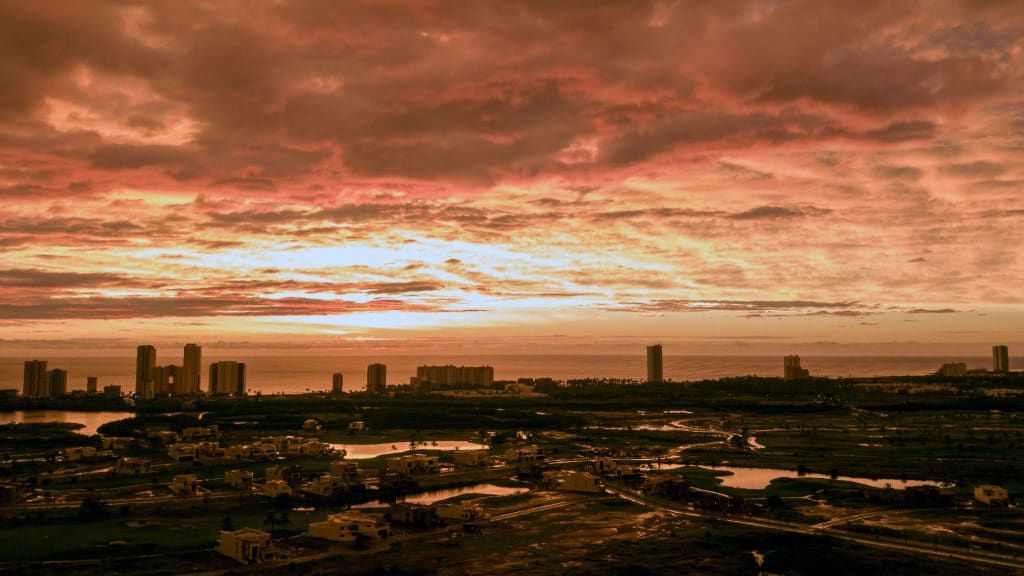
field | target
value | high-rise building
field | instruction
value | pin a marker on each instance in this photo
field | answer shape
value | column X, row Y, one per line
column 145, row 362
column 953, row 369
column 337, row 383
column 376, row 378
column 166, row 380
column 791, row 369
column 35, row 384
column 191, row 369
column 57, row 381
column 227, row 378
column 449, row 376
column 1000, row 359
column 91, row 383
column 655, row 371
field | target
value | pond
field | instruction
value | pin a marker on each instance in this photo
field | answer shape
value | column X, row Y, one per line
column 91, row 420
column 432, row 496
column 366, row 451
column 760, row 478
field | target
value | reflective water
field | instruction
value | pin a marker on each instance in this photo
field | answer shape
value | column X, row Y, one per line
column 365, row 451
column 432, row 496
column 760, row 478
column 91, row 420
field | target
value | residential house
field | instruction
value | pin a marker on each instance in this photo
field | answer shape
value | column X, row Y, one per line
column 248, row 546
column 350, row 526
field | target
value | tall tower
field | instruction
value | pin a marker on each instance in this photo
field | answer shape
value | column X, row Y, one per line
column 337, row 383
column 145, row 362
column 57, row 383
column 1000, row 359
column 376, row 378
column 34, row 384
column 655, row 373
column 791, row 369
column 190, row 369
column 91, row 383
column 227, row 377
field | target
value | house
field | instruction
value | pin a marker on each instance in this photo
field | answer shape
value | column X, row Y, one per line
column 348, row 471
column 350, row 526
column 209, row 450
column 239, row 479
column 325, row 486
column 357, row 426
column 184, row 485
column 79, row 453
column 471, row 457
column 532, row 454
column 460, row 511
column 274, row 488
column 665, row 486
column 413, row 515
column 991, row 495
column 248, row 546
column 574, row 481
column 116, row 443
column 308, row 448
column 413, row 464
column 312, row 425
column 200, row 432
column 578, row 481
column 133, row 466
column 291, row 475
column 182, row 452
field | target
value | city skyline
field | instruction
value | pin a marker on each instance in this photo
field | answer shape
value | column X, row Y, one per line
column 370, row 175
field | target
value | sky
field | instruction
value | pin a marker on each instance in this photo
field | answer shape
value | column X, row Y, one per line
column 512, row 176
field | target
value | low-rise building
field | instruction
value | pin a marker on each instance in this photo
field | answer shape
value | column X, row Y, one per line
column 408, row 514
column 116, row 443
column 532, row 454
column 991, row 495
column 350, row 526
column 413, row 464
column 184, row 485
column 291, row 475
column 182, row 452
column 248, row 545
column 312, row 425
column 357, row 426
column 665, row 486
column 572, row 480
column 80, row 453
column 274, row 488
column 309, row 448
column 200, row 432
column 460, row 511
column 133, row 466
column 471, row 457
column 239, row 479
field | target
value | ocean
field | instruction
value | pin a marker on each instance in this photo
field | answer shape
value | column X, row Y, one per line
column 294, row 373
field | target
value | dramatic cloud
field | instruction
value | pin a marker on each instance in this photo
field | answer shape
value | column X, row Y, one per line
column 365, row 168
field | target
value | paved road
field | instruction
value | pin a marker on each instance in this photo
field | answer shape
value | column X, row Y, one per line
column 942, row 551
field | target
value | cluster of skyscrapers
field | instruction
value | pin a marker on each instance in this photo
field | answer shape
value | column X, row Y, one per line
column 226, row 377
column 42, row 383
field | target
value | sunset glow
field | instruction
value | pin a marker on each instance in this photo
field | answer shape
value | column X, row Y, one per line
column 358, row 174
